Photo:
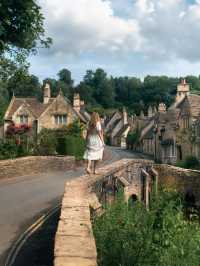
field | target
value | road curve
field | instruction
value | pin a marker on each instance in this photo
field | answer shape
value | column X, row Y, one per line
column 23, row 199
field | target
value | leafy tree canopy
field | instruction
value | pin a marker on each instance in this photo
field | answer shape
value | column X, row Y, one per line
column 21, row 26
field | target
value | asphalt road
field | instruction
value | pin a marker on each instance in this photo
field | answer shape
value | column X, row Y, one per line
column 23, row 199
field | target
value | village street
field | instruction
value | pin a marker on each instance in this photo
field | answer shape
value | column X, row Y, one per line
column 23, row 199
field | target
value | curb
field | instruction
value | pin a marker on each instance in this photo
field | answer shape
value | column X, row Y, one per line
column 11, row 257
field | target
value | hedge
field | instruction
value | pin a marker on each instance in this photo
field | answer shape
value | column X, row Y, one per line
column 71, row 145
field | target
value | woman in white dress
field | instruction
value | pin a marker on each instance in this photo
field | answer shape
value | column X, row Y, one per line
column 95, row 143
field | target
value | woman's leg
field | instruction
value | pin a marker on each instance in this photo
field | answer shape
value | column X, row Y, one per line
column 95, row 165
column 89, row 164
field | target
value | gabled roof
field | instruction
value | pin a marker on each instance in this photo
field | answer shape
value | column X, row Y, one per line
column 122, row 130
column 194, row 104
column 37, row 108
column 194, row 101
column 33, row 105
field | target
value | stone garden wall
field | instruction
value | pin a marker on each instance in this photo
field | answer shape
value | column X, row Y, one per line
column 34, row 164
column 184, row 180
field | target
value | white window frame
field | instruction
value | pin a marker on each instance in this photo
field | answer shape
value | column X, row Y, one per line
column 23, row 119
column 60, row 119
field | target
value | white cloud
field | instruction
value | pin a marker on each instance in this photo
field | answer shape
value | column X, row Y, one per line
column 88, row 26
column 170, row 28
column 138, row 36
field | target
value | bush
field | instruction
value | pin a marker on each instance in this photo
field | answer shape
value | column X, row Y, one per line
column 10, row 150
column 132, row 139
column 131, row 235
column 71, row 145
column 47, row 143
column 190, row 162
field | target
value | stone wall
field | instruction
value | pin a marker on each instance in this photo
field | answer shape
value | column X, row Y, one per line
column 184, row 180
column 74, row 242
column 34, row 164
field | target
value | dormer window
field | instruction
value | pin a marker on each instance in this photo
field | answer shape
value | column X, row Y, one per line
column 23, row 119
column 60, row 119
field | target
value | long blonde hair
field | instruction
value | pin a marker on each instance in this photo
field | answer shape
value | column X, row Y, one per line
column 95, row 118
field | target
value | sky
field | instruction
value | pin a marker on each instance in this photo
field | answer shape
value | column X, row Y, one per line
column 124, row 37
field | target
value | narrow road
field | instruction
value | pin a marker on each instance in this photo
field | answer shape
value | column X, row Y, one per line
column 23, row 199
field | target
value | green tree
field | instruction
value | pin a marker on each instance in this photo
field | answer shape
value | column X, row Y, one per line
column 21, row 26
column 86, row 92
column 3, row 100
column 23, row 84
column 65, row 82
column 194, row 82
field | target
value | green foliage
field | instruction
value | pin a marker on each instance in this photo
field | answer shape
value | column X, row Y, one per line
column 64, row 141
column 21, row 26
column 71, row 145
column 133, row 138
column 23, row 84
column 9, row 149
column 190, row 162
column 130, row 235
column 75, row 129
column 47, row 142
column 64, row 82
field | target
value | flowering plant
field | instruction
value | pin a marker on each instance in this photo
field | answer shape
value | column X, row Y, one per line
column 17, row 129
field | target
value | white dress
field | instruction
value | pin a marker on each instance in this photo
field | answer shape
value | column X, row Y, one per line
column 95, row 146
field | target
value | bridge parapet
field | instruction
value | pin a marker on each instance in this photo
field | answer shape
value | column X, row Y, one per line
column 74, row 243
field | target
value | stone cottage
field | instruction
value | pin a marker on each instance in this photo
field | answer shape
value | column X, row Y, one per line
column 52, row 113
column 173, row 134
column 117, row 128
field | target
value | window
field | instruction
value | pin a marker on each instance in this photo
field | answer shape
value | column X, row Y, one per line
column 23, row 119
column 60, row 119
column 185, row 122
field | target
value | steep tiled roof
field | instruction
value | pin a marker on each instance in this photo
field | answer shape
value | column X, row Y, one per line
column 122, row 130
column 194, row 101
column 36, row 107
column 149, row 133
column 194, row 104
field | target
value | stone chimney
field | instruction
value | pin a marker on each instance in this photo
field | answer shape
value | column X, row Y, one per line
column 150, row 111
column 47, row 93
column 125, row 116
column 77, row 102
column 183, row 90
column 155, row 110
column 162, row 108
column 142, row 114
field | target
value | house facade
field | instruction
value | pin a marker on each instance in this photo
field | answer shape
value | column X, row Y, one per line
column 52, row 113
column 117, row 128
column 171, row 135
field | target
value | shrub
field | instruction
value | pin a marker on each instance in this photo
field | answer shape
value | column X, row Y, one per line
column 8, row 150
column 71, row 145
column 131, row 235
column 46, row 143
column 133, row 138
column 190, row 162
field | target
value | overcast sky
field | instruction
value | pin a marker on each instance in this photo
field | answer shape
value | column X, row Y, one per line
column 124, row 37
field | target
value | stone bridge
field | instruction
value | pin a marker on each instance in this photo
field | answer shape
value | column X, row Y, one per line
column 74, row 243
column 84, row 196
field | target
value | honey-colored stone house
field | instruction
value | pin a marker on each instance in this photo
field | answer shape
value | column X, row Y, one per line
column 52, row 113
column 171, row 135
column 117, row 128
